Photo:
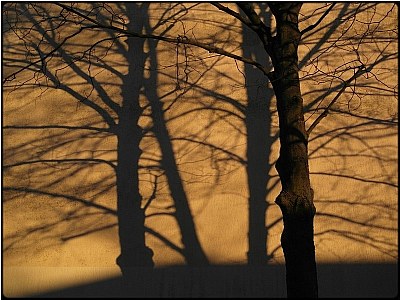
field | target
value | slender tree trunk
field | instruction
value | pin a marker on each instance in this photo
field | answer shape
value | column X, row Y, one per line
column 193, row 251
column 296, row 197
column 258, row 127
column 257, row 122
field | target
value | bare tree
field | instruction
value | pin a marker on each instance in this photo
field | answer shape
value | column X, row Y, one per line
column 280, row 42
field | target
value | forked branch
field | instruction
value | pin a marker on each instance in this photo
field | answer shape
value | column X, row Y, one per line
column 361, row 70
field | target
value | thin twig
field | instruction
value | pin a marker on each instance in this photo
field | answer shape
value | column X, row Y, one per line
column 187, row 41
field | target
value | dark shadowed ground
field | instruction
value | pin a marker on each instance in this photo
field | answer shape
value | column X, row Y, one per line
column 335, row 280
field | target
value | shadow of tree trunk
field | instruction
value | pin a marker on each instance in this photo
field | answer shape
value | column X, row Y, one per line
column 193, row 251
column 130, row 214
column 259, row 142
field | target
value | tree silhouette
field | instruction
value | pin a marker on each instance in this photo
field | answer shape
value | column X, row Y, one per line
column 47, row 48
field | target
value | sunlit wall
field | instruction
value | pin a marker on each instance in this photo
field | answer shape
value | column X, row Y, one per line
column 59, row 194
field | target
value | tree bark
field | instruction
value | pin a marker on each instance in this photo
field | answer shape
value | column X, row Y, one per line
column 296, row 197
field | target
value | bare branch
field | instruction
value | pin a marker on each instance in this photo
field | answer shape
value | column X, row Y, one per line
column 311, row 27
column 84, row 100
column 232, row 13
column 60, row 161
column 251, row 14
column 263, row 31
column 178, row 40
column 44, row 56
column 153, row 194
column 361, row 69
column 24, row 127
column 62, row 196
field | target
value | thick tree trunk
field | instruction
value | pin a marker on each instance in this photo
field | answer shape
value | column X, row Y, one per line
column 296, row 197
column 134, row 252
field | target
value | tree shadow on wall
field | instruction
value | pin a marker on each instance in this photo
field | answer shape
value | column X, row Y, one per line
column 84, row 206
column 47, row 177
column 47, row 173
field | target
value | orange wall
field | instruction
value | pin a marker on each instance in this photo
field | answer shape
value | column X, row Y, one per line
column 51, row 239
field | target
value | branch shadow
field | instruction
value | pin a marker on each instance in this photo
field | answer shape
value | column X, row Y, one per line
column 41, row 160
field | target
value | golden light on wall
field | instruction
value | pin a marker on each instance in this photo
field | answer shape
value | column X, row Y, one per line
column 60, row 143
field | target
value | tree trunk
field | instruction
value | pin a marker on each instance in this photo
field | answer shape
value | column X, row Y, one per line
column 134, row 252
column 258, row 141
column 193, row 251
column 296, row 197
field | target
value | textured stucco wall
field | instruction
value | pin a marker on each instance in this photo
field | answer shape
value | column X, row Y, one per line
column 52, row 238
